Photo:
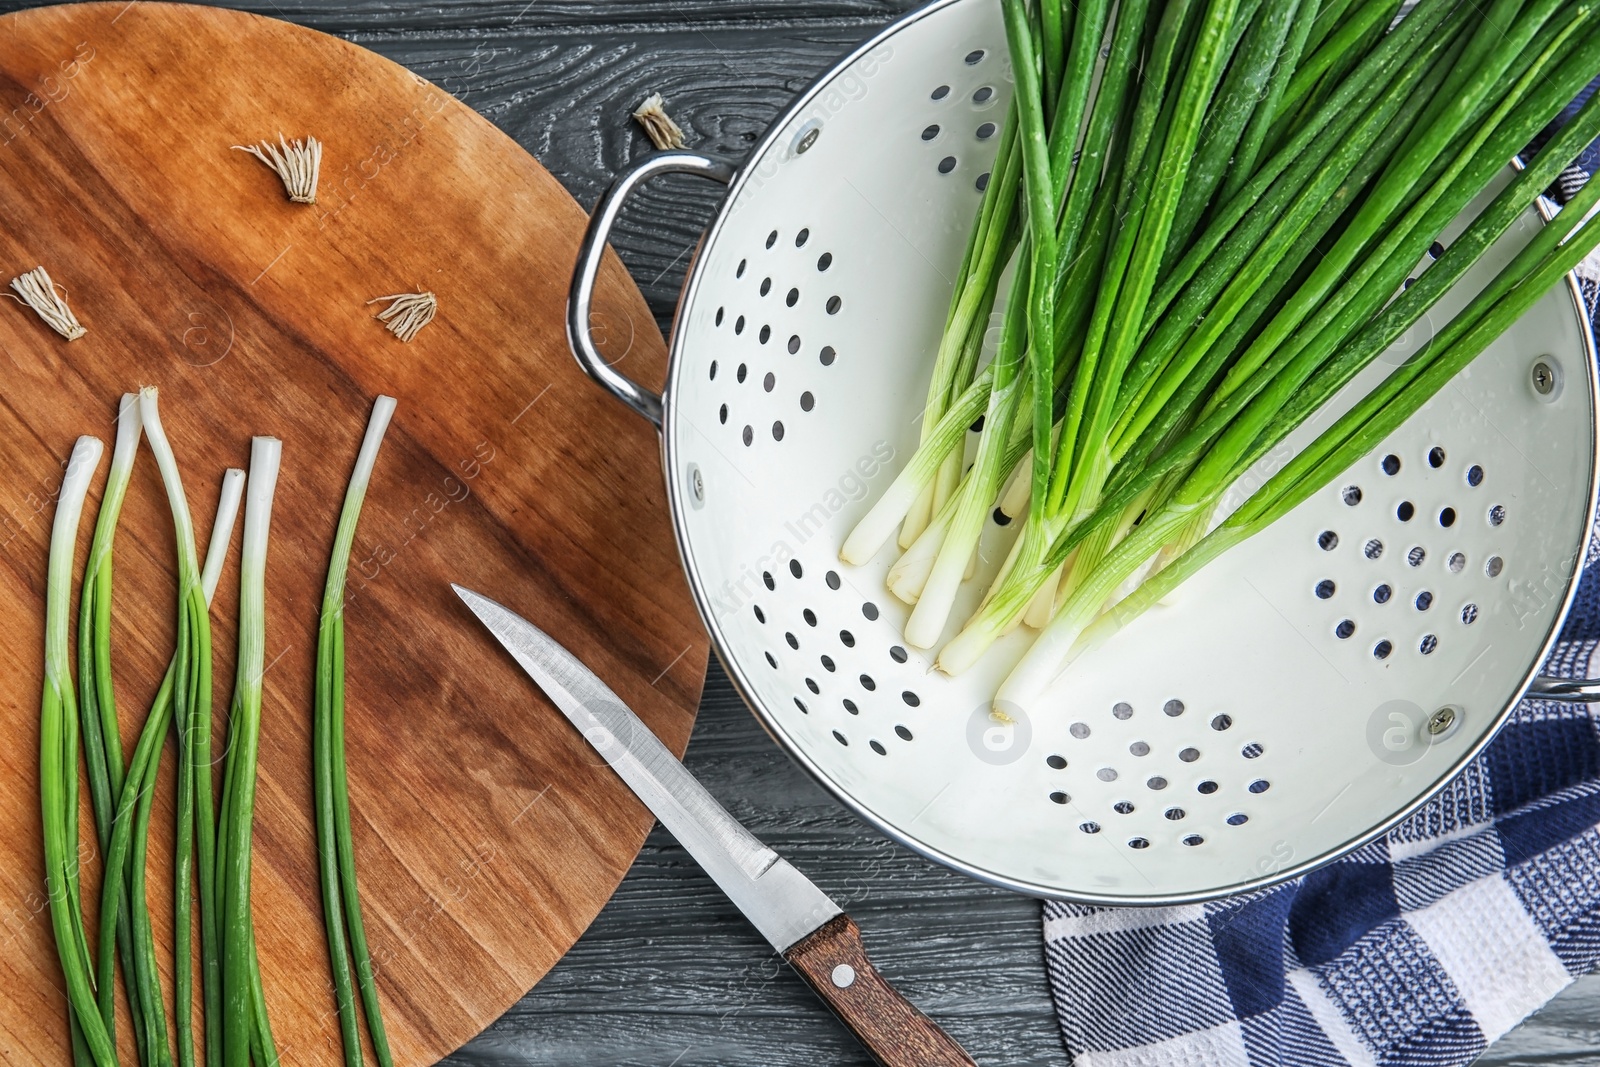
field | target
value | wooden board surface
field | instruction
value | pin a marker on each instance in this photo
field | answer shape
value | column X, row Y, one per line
column 488, row 836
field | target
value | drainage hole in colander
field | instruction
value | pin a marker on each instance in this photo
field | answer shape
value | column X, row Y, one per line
column 794, row 343
column 714, row 369
column 1222, row 722
column 986, row 131
column 1238, row 818
column 766, row 579
column 720, row 313
column 867, row 683
column 766, row 286
column 790, row 300
column 898, row 654
column 1173, row 708
column 1001, row 518
column 1122, row 710
column 812, row 685
column 1327, row 540
column 1139, row 748
column 810, row 617
column 975, row 57
column 828, row 664
column 1106, row 774
column 1056, row 763
column 837, row 736
column 1155, row 782
column 828, row 355
column 1469, row 614
column 794, row 642
column 766, row 334
column 870, row 610
column 1122, row 807
column 1174, row 814
column 911, row 699
column 1382, row 594
column 1416, row 555
column 1252, row 751
column 1080, row 730
column 1405, row 511
column 1457, row 562
column 947, row 164
column 1059, row 797
column 903, row 733
column 834, row 304
column 1382, row 649
column 1391, row 464
column 1351, row 495
column 930, row 132
column 1493, row 566
column 1474, row 476
column 1372, row 549
column 1189, row 755
column 772, row 238
column 801, row 238
column 982, row 184
column 1435, row 457
column 770, row 661
column 777, row 431
column 1424, row 600
column 850, row 706
column 739, row 273
column 761, row 616
column 983, row 95
column 769, row 381
column 1206, row 788
column 941, row 92
column 742, row 373
column 1345, row 628
column 1089, row 827
column 749, row 435
column 802, row 706
column 877, row 746
column 1447, row 517
column 1325, row 589
column 824, row 261
column 722, row 414
column 1138, row 842
column 1429, row 643
column 1497, row 515
column 847, row 639
column 1260, row 785
column 738, row 327
column 1194, row 839
column 795, row 568
column 832, row 578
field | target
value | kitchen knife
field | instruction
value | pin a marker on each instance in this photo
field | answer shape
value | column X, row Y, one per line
column 808, row 929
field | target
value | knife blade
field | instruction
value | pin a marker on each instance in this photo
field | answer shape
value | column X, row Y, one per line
column 807, row 928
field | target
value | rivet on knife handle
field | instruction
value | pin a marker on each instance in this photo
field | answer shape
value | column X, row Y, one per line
column 834, row 963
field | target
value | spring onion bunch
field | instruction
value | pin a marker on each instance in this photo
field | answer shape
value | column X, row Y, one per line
column 341, row 901
column 245, row 1030
column 93, row 1042
column 1214, row 238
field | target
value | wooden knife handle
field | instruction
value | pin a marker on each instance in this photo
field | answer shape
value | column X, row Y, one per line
column 834, row 963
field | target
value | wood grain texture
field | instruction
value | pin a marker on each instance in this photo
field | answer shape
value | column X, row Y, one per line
column 669, row 973
column 834, row 963
column 488, row 835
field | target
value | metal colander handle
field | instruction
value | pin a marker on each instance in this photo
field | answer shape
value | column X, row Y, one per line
column 1576, row 690
column 580, row 299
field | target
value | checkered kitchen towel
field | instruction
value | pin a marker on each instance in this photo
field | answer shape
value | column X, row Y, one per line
column 1421, row 948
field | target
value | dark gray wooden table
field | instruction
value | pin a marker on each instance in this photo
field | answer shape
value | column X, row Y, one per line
column 670, row 975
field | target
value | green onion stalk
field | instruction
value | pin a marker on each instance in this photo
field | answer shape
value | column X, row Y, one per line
column 194, row 862
column 244, row 1029
column 127, row 856
column 341, row 902
column 102, row 737
column 93, row 1041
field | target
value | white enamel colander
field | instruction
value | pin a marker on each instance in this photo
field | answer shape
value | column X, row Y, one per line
column 1296, row 698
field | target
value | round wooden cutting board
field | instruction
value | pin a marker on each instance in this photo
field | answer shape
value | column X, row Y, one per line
column 487, row 835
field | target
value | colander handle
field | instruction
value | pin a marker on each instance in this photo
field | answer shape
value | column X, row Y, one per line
column 580, row 300
column 1574, row 690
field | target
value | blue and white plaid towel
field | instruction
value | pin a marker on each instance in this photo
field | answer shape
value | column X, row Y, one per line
column 1421, row 948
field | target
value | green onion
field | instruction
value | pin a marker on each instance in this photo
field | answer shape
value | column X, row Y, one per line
column 341, row 903
column 58, row 766
column 240, row 973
